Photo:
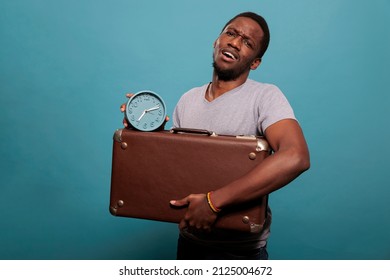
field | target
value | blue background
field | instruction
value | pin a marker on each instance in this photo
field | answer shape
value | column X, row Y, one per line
column 66, row 65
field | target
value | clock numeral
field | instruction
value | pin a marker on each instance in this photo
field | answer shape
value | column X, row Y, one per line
column 152, row 124
column 159, row 112
column 145, row 125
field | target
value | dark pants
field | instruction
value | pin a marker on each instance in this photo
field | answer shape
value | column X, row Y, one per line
column 187, row 250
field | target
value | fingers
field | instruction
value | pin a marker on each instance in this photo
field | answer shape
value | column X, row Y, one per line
column 124, row 121
column 125, row 124
column 187, row 223
column 180, row 202
column 123, row 107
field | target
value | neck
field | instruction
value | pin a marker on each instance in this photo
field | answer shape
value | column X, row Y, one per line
column 219, row 87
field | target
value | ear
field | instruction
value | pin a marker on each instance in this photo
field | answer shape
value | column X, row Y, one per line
column 255, row 63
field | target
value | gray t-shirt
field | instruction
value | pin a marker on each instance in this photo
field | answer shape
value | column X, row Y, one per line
column 246, row 110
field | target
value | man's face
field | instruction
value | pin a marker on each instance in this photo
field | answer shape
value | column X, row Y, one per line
column 236, row 49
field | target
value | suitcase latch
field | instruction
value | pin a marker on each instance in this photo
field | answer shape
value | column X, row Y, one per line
column 254, row 228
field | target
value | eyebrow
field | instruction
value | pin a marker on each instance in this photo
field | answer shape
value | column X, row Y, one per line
column 242, row 35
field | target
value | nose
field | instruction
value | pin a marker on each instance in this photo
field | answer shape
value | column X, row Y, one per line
column 235, row 42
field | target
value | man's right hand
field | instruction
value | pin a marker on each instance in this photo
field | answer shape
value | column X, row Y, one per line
column 123, row 108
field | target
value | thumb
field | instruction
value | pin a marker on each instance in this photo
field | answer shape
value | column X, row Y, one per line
column 180, row 202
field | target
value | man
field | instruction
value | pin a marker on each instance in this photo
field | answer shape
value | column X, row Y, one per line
column 235, row 105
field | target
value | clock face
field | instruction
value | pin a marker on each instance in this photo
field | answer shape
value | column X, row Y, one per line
column 145, row 111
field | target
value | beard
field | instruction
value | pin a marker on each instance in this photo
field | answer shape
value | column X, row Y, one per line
column 230, row 74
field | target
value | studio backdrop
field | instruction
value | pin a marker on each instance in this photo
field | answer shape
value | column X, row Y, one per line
column 65, row 67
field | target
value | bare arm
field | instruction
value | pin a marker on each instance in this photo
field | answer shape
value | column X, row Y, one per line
column 290, row 159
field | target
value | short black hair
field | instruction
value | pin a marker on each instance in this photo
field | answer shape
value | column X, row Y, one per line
column 263, row 25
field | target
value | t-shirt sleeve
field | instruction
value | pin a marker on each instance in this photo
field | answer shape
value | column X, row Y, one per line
column 274, row 107
column 176, row 119
column 177, row 112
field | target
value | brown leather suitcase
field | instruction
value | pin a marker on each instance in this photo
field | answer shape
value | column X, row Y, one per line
column 151, row 168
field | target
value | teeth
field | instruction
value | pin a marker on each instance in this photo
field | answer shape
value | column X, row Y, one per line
column 229, row 55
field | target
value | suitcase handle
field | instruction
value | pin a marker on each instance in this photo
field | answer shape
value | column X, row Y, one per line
column 192, row 130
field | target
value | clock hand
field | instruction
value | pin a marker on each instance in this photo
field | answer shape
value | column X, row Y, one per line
column 147, row 111
column 143, row 114
column 153, row 108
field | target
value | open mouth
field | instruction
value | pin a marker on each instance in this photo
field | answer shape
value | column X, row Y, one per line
column 229, row 55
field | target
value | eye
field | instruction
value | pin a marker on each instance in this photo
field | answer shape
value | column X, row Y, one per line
column 230, row 33
column 248, row 43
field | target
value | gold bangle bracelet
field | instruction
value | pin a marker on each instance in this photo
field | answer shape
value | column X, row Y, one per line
column 213, row 208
